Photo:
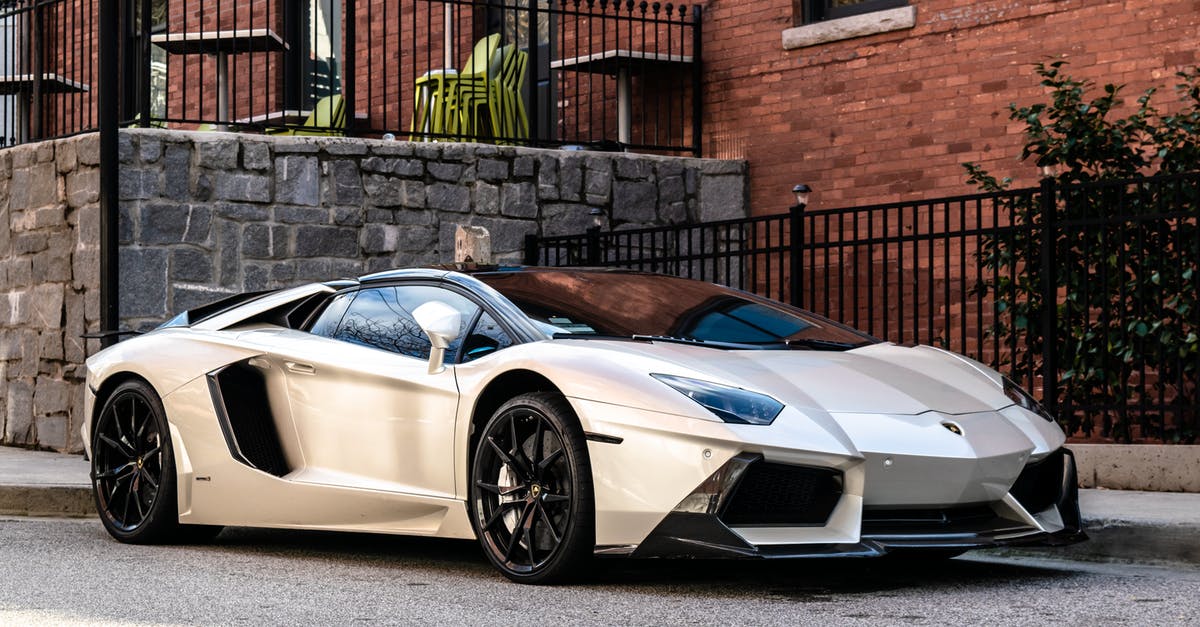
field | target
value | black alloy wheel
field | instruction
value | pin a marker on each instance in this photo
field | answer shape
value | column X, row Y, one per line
column 133, row 469
column 531, row 490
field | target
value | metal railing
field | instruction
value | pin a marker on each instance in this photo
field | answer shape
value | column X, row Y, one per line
column 47, row 69
column 597, row 74
column 1118, row 262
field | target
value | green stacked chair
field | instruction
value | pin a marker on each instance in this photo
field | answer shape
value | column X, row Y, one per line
column 328, row 118
column 436, row 93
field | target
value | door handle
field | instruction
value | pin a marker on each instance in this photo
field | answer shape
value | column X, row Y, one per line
column 299, row 368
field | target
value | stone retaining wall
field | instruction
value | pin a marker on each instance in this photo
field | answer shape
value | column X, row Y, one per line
column 211, row 214
column 49, row 278
column 204, row 215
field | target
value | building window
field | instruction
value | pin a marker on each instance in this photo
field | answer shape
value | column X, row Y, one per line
column 819, row 10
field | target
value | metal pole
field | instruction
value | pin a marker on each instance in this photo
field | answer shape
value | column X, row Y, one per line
column 535, row 71
column 39, row 59
column 144, row 67
column 593, row 246
column 795, row 253
column 110, row 317
column 697, row 82
column 1049, row 296
column 531, row 249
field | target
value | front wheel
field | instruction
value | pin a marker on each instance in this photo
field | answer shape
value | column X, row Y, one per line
column 531, row 490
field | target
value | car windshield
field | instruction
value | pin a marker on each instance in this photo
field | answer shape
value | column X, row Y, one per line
column 623, row 304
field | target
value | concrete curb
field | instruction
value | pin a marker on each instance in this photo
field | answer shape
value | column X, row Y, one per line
column 46, row 500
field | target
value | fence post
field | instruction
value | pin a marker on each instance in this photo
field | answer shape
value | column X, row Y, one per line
column 593, row 246
column 697, row 83
column 534, row 69
column 144, row 65
column 38, row 34
column 531, row 249
column 795, row 254
column 110, row 32
column 349, row 49
column 1049, row 272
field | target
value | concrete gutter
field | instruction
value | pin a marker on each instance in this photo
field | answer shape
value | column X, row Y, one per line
column 1151, row 467
column 36, row 483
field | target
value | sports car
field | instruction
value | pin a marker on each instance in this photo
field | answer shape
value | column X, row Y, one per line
column 555, row 415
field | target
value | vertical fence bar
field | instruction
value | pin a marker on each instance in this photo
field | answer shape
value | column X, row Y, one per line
column 144, row 65
column 349, row 49
column 109, row 173
column 535, row 127
column 1049, row 296
column 697, row 82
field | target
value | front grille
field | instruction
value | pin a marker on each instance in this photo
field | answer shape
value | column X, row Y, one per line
column 1040, row 483
column 782, row 495
column 963, row 519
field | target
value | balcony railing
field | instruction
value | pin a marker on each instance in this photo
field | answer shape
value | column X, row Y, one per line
column 592, row 74
column 47, row 67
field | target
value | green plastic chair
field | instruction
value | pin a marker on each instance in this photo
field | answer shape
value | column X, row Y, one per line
column 327, row 119
column 435, row 101
column 479, row 97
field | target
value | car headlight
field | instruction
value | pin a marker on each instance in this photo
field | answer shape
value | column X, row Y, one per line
column 1024, row 400
column 728, row 403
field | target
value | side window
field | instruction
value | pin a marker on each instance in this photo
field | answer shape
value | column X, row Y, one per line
column 382, row 318
column 327, row 323
column 485, row 338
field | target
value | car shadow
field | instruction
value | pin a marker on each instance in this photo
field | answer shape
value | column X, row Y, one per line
column 805, row 580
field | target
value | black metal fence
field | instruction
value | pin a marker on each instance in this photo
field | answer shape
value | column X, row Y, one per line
column 611, row 75
column 1117, row 262
column 47, row 69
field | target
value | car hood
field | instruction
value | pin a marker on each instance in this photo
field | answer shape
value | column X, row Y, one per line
column 875, row 379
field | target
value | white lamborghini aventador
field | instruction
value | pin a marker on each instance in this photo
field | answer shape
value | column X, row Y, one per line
column 558, row 414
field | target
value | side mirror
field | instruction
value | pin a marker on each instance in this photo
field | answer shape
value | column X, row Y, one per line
column 441, row 323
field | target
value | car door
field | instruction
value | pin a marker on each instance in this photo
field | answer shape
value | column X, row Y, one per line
column 367, row 413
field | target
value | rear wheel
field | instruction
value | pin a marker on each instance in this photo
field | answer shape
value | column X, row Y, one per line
column 133, row 470
column 531, row 491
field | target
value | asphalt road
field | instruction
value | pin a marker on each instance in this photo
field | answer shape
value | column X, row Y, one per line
column 68, row 571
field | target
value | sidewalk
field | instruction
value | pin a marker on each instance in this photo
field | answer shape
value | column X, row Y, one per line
column 1145, row 527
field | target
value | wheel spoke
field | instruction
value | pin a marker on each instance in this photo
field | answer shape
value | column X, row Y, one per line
column 546, row 463
column 497, row 515
column 135, row 495
column 149, row 479
column 500, row 490
column 555, row 498
column 537, row 444
column 550, row 525
column 120, row 447
column 515, row 540
column 508, row 459
column 518, row 452
column 529, row 537
column 134, row 442
column 152, row 452
column 116, row 473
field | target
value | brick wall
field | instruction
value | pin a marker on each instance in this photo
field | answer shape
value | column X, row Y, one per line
column 892, row 116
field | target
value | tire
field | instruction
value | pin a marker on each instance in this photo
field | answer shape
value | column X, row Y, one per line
column 532, row 507
column 133, row 470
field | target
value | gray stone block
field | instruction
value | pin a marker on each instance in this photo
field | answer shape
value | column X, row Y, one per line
column 296, row 145
column 50, row 347
column 345, row 147
column 385, row 191
column 492, row 169
column 598, row 181
column 243, row 212
column 242, row 187
column 722, row 198
column 670, row 190
column 570, row 178
column 64, row 156
column 150, row 149
column 348, row 216
column 378, row 165
column 722, row 166
column 444, row 197
column 565, row 219
column 51, row 430
column 297, row 180
column 217, row 154
column 50, row 396
column 54, row 264
column 256, row 155
column 82, row 187
column 547, row 178
column 126, row 148
column 519, row 200
column 192, row 265
column 380, row 238
column 391, row 148
column 446, row 171
column 485, row 199
column 637, row 168
column 184, row 297
column 635, row 201
column 668, row 167
column 255, row 277
column 301, row 215
column 522, row 167
column 326, row 241
column 143, row 282
column 229, row 247
column 344, row 184
column 18, row 425
column 414, row 238
column 47, row 310
column 87, row 148
column 177, row 173
column 173, row 224
column 261, row 241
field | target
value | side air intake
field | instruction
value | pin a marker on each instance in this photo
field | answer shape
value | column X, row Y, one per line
column 239, row 394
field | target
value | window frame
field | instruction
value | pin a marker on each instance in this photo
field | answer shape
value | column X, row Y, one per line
column 820, row 10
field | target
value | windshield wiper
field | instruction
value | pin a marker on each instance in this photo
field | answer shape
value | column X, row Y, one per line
column 813, row 343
